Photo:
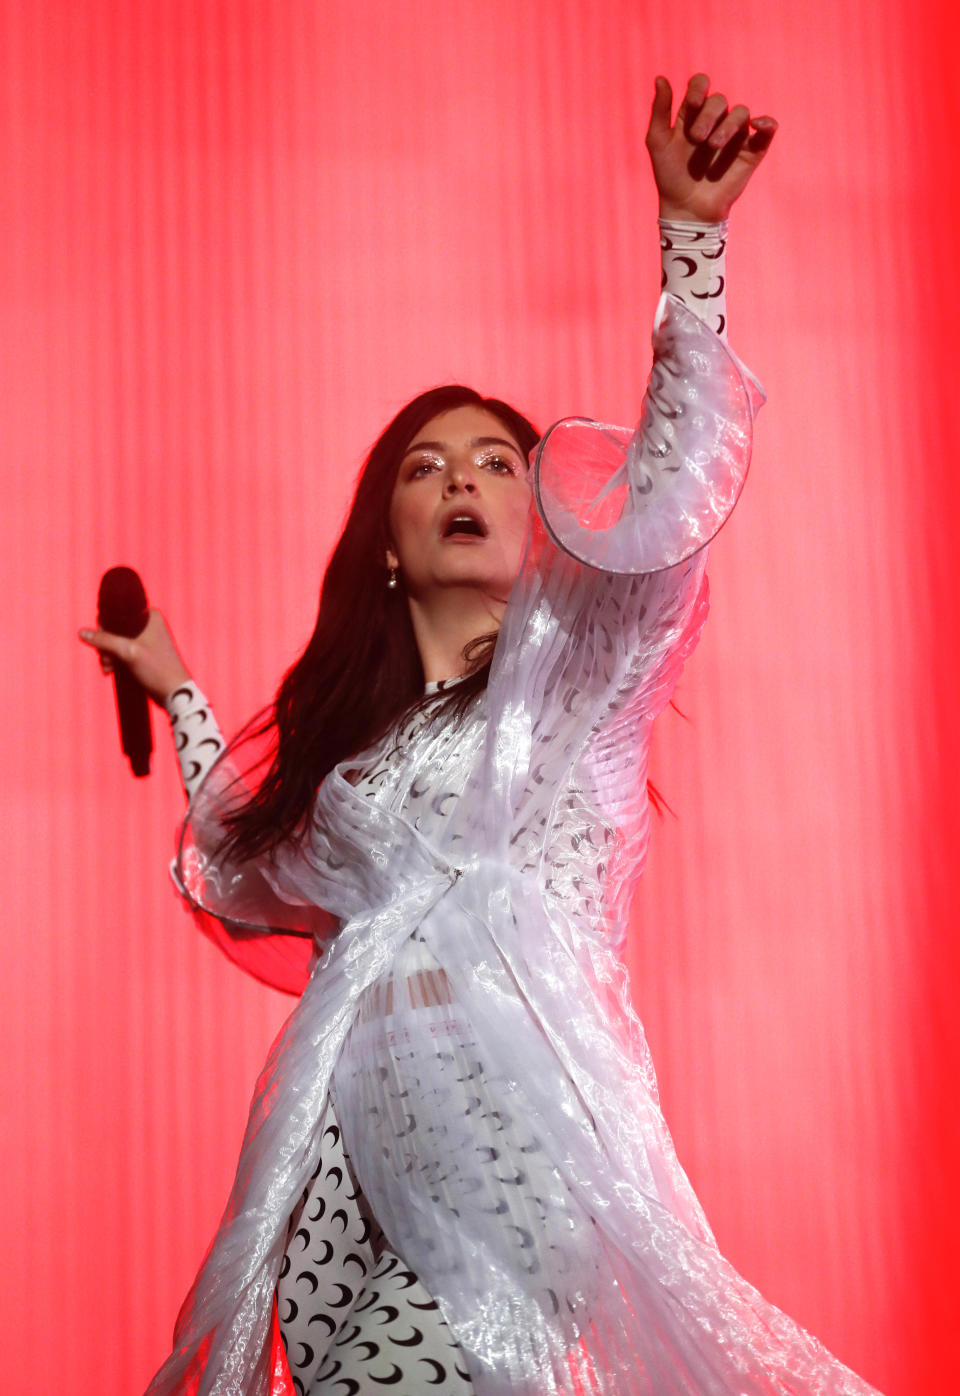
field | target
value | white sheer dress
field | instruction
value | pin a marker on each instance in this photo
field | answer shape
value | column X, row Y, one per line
column 461, row 1108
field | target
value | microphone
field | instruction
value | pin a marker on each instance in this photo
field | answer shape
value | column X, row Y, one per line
column 122, row 610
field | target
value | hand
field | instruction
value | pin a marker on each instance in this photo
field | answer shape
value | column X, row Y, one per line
column 152, row 657
column 704, row 161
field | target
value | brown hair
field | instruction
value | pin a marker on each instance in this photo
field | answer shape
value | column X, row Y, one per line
column 361, row 670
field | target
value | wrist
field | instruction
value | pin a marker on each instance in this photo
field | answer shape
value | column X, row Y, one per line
column 669, row 214
column 181, row 696
column 675, row 213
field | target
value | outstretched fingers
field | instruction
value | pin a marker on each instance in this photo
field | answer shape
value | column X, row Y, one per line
column 693, row 100
column 660, row 128
column 703, row 161
column 764, row 128
column 699, row 125
column 732, row 124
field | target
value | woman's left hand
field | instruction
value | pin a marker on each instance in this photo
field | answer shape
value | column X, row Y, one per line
column 703, row 161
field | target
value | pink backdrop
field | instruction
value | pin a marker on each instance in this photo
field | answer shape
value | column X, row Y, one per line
column 237, row 235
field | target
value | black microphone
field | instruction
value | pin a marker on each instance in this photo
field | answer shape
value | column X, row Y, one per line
column 122, row 610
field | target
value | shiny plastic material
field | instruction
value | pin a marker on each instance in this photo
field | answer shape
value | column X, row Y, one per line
column 471, row 1017
column 645, row 500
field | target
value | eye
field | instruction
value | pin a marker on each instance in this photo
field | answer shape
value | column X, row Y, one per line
column 424, row 466
column 499, row 465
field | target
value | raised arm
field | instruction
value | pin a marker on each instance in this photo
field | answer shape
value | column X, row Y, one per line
column 612, row 600
column 644, row 501
column 702, row 162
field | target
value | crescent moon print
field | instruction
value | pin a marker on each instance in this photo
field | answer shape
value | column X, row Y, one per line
column 433, row 1103
column 308, row 1356
column 326, row 1320
column 524, row 1237
column 395, row 1376
column 406, row 1278
column 493, row 1158
column 438, row 1369
column 712, row 293
column 692, row 265
column 439, row 802
column 415, row 1339
column 335, row 1334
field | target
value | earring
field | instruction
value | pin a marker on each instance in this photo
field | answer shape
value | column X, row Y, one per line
column 392, row 578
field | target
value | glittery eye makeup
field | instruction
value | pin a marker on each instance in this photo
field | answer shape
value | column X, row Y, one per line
column 498, row 465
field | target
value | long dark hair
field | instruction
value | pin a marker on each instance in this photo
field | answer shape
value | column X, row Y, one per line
column 361, row 668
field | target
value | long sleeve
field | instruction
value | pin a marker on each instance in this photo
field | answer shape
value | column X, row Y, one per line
column 197, row 738
column 693, row 268
column 643, row 501
column 613, row 594
column 244, row 908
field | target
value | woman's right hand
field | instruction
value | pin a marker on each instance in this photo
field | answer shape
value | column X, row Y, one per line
column 152, row 657
column 703, row 161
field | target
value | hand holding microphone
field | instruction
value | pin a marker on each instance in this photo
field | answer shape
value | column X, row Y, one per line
column 136, row 646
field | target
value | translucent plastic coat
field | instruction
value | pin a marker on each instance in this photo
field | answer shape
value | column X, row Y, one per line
column 514, row 882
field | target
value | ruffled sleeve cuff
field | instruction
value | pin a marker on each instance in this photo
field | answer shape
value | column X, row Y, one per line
column 251, row 910
column 642, row 501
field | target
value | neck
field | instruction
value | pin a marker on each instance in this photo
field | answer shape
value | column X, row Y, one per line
column 444, row 624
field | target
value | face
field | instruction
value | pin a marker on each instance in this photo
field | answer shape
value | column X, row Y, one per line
column 460, row 506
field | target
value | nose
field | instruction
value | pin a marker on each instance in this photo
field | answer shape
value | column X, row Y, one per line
column 460, row 476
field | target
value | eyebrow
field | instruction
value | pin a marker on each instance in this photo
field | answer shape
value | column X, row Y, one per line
column 477, row 441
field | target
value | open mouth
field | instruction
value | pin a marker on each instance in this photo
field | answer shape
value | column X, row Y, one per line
column 465, row 526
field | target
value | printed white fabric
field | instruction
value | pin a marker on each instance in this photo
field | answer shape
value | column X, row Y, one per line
column 484, row 874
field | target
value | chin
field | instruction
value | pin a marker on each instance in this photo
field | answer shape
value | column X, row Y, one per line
column 470, row 574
